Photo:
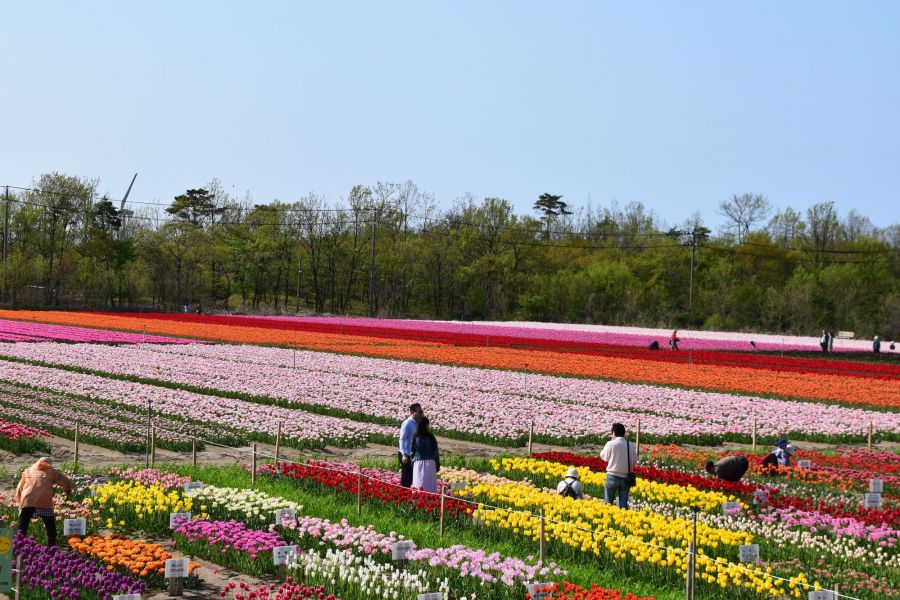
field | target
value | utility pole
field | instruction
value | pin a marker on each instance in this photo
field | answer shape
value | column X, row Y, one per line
column 691, row 285
column 299, row 274
column 5, row 244
column 372, row 266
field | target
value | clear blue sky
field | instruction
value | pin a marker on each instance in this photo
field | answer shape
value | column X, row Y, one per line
column 674, row 104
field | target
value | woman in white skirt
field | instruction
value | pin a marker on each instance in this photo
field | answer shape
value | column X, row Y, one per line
column 425, row 458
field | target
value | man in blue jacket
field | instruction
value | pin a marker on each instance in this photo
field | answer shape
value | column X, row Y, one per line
column 407, row 431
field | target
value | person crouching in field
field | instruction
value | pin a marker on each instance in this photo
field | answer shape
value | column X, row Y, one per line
column 34, row 495
column 730, row 468
column 571, row 487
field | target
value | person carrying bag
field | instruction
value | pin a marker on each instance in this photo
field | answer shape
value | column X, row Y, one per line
column 620, row 477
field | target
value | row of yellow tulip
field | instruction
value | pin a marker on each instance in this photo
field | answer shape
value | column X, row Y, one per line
column 651, row 491
column 645, row 537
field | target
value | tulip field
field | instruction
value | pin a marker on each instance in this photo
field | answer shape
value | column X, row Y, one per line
column 497, row 528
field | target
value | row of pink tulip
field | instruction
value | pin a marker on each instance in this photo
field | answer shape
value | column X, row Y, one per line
column 25, row 331
column 477, row 402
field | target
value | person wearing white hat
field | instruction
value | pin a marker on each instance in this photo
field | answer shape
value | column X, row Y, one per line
column 34, row 495
column 571, row 486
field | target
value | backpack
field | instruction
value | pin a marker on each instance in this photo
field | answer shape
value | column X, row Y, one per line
column 567, row 491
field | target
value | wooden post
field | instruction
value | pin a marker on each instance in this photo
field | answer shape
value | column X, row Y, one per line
column 18, row 576
column 442, row 513
column 77, row 431
column 689, row 578
column 637, row 439
column 542, row 552
column 870, row 436
column 194, row 452
column 359, row 491
column 175, row 586
column 754, row 434
column 282, row 572
column 253, row 467
column 837, row 591
column 277, row 442
column 153, row 446
column 530, row 436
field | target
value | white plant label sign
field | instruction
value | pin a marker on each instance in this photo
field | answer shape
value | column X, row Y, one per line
column 74, row 527
column 190, row 486
column 731, row 507
column 539, row 591
column 821, row 595
column 285, row 513
column 749, row 553
column 280, row 554
column 804, row 464
column 178, row 516
column 401, row 549
column 872, row 500
column 761, row 497
column 431, row 596
column 177, row 567
column 126, row 597
column 876, row 486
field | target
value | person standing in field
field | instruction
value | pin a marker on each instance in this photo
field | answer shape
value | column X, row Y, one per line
column 407, row 432
column 426, row 458
column 34, row 495
column 823, row 342
column 673, row 340
column 620, row 456
column 876, row 345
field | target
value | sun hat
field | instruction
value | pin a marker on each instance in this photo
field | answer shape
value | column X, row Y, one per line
column 782, row 442
column 573, row 473
column 46, row 459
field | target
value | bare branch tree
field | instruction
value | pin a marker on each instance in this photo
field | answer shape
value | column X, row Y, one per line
column 744, row 211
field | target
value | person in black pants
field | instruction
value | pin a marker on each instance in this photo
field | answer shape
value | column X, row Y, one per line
column 34, row 495
column 407, row 431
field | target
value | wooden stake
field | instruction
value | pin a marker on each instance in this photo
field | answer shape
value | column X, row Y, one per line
column 442, row 513
column 194, row 452
column 277, row 442
column 754, row 433
column 870, row 436
column 77, row 431
column 18, row 576
column 359, row 491
column 153, row 446
column 253, row 466
column 530, row 436
column 637, row 439
column 541, row 550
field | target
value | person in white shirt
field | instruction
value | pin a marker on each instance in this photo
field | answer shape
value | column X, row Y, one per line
column 407, row 431
column 571, row 487
column 620, row 456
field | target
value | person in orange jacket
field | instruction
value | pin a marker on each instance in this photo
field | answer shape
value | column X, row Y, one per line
column 34, row 495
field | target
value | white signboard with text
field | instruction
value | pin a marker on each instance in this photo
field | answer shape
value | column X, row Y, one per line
column 281, row 554
column 74, row 527
column 177, row 568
